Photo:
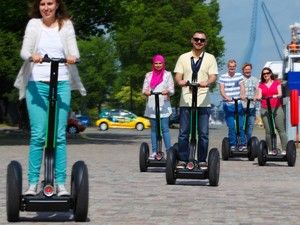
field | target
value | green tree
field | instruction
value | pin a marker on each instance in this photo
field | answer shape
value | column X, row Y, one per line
column 97, row 69
column 13, row 16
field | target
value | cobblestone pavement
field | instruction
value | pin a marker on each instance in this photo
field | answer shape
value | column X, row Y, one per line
column 121, row 195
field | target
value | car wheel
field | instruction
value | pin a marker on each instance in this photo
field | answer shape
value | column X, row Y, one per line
column 72, row 129
column 139, row 126
column 103, row 126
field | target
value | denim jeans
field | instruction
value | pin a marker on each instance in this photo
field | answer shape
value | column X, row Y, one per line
column 164, row 124
column 251, row 121
column 231, row 124
column 203, row 114
column 37, row 103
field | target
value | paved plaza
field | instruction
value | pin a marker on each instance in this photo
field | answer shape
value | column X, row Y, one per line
column 121, row 195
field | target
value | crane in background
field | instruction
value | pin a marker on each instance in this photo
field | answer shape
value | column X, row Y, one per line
column 275, row 33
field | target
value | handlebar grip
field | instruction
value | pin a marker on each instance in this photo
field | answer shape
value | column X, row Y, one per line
column 59, row 60
column 155, row 93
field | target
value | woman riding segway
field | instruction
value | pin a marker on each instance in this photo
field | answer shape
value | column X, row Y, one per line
column 158, row 87
column 46, row 82
column 270, row 93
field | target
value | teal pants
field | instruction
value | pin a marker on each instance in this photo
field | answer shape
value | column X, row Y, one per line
column 37, row 105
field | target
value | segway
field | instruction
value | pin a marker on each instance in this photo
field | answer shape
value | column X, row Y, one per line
column 192, row 170
column 252, row 143
column 46, row 199
column 159, row 160
column 275, row 154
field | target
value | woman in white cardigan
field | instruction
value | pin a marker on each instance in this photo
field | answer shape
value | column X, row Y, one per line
column 159, row 80
column 50, row 32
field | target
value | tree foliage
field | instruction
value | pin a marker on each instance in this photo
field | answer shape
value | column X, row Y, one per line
column 97, row 70
column 165, row 27
column 117, row 39
column 10, row 63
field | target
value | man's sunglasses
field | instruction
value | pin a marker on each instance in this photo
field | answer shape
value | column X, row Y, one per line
column 202, row 40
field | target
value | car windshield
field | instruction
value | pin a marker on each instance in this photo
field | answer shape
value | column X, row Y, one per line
column 117, row 113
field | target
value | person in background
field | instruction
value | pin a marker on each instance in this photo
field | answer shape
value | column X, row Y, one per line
column 51, row 32
column 231, row 86
column 200, row 66
column 250, row 83
column 269, row 87
column 293, row 47
column 159, row 80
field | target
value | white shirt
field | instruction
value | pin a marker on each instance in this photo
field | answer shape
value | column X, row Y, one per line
column 51, row 45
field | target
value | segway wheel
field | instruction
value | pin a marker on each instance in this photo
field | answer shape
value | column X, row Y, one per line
column 170, row 166
column 291, row 153
column 225, row 149
column 144, row 155
column 253, row 146
column 262, row 153
column 213, row 167
column 13, row 191
column 80, row 191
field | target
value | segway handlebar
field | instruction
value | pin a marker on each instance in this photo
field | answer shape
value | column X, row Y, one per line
column 155, row 93
column 232, row 100
column 59, row 60
column 269, row 97
column 192, row 84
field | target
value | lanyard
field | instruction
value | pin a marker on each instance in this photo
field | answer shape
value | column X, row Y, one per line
column 196, row 67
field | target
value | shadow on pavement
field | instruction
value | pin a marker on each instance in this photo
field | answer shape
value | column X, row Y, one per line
column 14, row 136
column 50, row 217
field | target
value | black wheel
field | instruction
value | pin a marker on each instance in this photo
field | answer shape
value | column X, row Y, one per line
column 13, row 191
column 80, row 191
column 144, row 155
column 170, row 166
column 262, row 153
column 291, row 153
column 213, row 167
column 72, row 130
column 253, row 145
column 225, row 149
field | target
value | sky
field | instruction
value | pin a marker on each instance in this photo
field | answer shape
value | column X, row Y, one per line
column 236, row 16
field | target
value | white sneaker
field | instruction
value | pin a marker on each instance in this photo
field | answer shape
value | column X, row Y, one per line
column 283, row 152
column 61, row 190
column 152, row 156
column 181, row 165
column 232, row 148
column 32, row 190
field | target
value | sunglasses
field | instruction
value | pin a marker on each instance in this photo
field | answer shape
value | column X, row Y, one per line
column 266, row 73
column 202, row 40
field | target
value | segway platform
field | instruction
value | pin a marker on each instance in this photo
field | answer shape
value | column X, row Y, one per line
column 41, row 203
column 157, row 163
column 196, row 173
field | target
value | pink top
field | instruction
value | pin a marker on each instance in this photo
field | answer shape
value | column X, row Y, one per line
column 269, row 92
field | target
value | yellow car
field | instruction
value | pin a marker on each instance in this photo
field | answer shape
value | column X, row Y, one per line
column 122, row 119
